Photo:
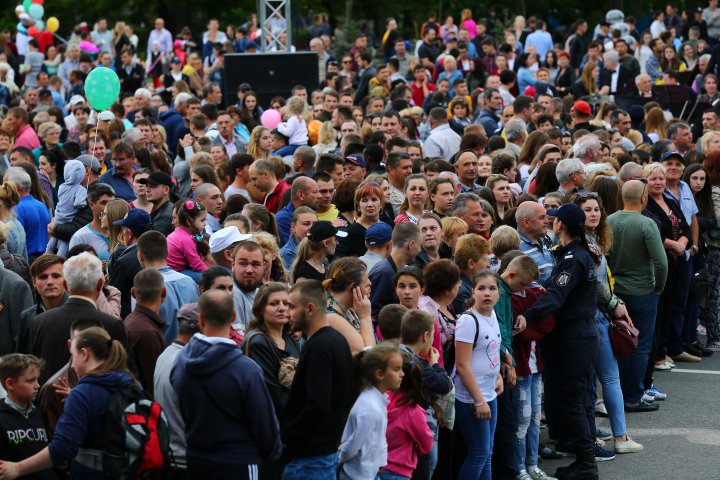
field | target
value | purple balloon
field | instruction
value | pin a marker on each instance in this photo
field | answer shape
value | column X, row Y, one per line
column 270, row 118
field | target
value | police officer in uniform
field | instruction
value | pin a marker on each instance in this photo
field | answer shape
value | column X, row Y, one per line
column 570, row 350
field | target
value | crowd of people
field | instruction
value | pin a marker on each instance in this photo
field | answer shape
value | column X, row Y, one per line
column 419, row 268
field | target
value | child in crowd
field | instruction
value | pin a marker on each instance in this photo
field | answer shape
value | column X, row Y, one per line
column 187, row 247
column 512, row 279
column 295, row 127
column 477, row 375
column 363, row 448
column 407, row 431
column 22, row 427
column 389, row 322
column 418, row 333
column 529, row 367
column 72, row 196
column 409, row 285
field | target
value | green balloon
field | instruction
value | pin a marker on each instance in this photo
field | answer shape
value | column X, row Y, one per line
column 26, row 4
column 102, row 88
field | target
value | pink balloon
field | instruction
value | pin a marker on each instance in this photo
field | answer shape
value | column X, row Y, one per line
column 270, row 118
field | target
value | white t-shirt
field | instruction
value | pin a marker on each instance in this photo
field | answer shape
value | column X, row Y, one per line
column 485, row 359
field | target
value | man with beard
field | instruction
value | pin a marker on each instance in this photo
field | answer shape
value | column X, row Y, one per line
column 180, row 289
column 247, row 271
column 320, row 395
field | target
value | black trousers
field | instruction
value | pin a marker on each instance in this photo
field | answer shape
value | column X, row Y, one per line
column 505, row 458
column 569, row 354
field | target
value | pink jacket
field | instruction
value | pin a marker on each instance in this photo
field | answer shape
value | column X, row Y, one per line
column 182, row 252
column 407, row 435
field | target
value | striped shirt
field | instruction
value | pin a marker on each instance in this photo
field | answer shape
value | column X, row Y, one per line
column 540, row 253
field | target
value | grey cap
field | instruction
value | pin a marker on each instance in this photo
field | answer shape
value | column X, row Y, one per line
column 90, row 162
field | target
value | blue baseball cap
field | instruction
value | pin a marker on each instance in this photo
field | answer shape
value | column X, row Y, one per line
column 671, row 154
column 137, row 220
column 356, row 160
column 379, row 233
column 569, row 214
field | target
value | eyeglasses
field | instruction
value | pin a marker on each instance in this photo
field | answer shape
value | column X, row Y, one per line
column 347, row 61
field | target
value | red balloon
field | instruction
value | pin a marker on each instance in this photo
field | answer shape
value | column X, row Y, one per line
column 39, row 2
column 34, row 31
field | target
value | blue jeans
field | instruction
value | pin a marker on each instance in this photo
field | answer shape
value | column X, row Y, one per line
column 528, row 415
column 387, row 475
column 606, row 370
column 344, row 476
column 312, row 468
column 642, row 310
column 478, row 435
column 192, row 274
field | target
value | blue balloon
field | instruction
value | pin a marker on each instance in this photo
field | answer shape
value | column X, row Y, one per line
column 102, row 88
column 40, row 25
column 36, row 11
column 21, row 28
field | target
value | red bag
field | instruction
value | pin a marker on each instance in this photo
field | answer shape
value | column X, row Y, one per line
column 623, row 337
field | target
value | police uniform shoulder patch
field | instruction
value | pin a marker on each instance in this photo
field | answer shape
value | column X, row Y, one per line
column 562, row 279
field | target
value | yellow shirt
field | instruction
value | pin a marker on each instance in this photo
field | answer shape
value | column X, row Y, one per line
column 330, row 215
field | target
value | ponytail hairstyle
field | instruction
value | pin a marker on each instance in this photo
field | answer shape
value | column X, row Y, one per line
column 109, row 352
column 369, row 360
column 260, row 214
column 578, row 231
column 306, row 249
column 9, row 195
column 344, row 274
column 411, row 387
column 187, row 211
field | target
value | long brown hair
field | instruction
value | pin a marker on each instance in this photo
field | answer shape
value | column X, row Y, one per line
column 587, row 77
column 261, row 301
column 110, row 353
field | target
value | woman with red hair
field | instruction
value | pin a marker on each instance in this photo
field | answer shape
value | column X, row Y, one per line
column 368, row 205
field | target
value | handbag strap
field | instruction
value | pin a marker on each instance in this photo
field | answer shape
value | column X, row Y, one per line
column 272, row 345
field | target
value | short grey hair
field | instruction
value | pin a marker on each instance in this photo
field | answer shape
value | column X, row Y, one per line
column 460, row 202
column 143, row 92
column 82, row 272
column 182, row 97
column 514, row 129
column 20, row 178
column 567, row 167
column 705, row 57
column 611, row 56
column 629, row 171
column 584, row 144
column 131, row 135
column 639, row 77
column 525, row 210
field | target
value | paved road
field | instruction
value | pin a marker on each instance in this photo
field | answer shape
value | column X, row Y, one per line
column 681, row 439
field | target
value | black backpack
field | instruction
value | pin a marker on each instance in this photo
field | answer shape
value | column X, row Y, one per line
column 449, row 353
column 137, row 439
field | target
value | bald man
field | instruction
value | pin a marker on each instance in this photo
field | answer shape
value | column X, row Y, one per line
column 209, row 196
column 640, row 268
column 304, row 192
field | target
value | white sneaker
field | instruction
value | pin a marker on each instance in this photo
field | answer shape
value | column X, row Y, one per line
column 523, row 475
column 538, row 474
column 627, row 446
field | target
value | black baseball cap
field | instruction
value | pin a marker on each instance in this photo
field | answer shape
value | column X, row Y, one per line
column 322, row 230
column 157, row 178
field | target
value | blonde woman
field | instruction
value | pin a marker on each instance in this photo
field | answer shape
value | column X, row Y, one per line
column 655, row 124
column 274, row 269
column 114, row 210
column 453, row 228
column 710, row 142
column 260, row 143
column 327, row 140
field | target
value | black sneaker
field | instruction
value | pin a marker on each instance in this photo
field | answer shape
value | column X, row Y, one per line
column 701, row 349
column 641, row 406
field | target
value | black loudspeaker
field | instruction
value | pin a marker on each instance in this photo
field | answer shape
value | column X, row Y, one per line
column 269, row 74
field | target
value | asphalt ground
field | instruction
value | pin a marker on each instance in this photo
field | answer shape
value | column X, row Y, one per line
column 681, row 439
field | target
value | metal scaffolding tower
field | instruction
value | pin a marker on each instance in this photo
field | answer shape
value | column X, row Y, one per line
column 274, row 22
